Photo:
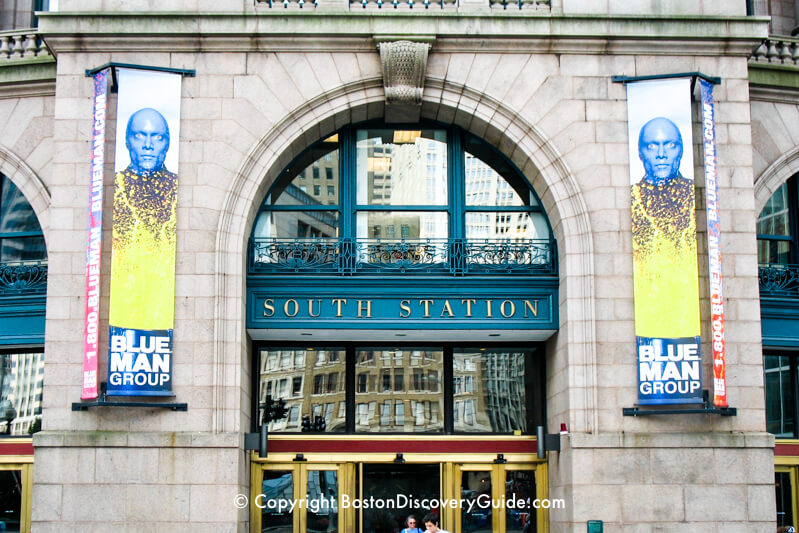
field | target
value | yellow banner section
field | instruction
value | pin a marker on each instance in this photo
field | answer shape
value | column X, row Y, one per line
column 663, row 220
column 664, row 257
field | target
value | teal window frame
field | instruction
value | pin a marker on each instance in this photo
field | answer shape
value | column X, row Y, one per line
column 456, row 208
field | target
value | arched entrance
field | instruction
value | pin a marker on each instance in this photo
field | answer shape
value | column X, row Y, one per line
column 400, row 283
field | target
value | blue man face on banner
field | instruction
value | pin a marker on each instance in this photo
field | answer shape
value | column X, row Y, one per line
column 660, row 150
column 147, row 139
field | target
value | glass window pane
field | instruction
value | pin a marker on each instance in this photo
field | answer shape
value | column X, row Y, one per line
column 16, row 214
column 774, row 219
column 782, row 485
column 398, row 167
column 489, row 177
column 386, row 482
column 506, row 226
column 779, row 396
column 311, row 382
column 378, row 374
column 299, row 185
column 296, row 225
column 402, row 225
column 485, row 187
column 475, row 494
column 278, row 493
column 490, row 390
column 520, row 486
column 322, row 501
column 772, row 251
column 10, row 500
column 21, row 380
column 22, row 249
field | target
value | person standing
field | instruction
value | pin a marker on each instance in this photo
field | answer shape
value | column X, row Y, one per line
column 431, row 523
column 411, row 525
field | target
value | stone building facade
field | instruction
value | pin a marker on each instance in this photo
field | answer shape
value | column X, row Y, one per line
column 534, row 81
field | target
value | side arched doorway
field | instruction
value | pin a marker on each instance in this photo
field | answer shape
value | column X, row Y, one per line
column 401, row 282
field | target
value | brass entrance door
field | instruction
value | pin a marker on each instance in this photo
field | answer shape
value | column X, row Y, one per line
column 332, row 497
column 501, row 497
column 301, row 497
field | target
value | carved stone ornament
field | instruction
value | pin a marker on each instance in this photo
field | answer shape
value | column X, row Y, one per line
column 404, row 66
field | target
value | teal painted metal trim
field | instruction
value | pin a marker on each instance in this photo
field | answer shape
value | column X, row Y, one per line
column 456, row 181
column 190, row 73
column 22, row 319
column 783, row 342
column 629, row 79
column 385, row 297
column 779, row 321
column 389, row 207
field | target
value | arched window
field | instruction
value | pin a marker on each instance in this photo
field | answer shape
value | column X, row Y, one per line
column 775, row 233
column 21, row 237
column 381, row 199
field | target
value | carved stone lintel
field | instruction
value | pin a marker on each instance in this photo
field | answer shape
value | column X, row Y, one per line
column 404, row 66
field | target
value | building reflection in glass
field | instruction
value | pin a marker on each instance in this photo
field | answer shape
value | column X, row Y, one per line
column 490, row 391
column 399, row 390
column 21, row 379
column 310, row 381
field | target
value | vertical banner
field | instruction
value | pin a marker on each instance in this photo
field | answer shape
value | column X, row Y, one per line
column 714, row 245
column 665, row 270
column 91, row 312
column 143, row 250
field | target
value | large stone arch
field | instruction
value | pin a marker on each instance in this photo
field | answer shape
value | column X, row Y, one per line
column 27, row 181
column 774, row 176
column 449, row 103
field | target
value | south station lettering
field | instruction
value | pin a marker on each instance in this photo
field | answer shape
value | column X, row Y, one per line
column 409, row 308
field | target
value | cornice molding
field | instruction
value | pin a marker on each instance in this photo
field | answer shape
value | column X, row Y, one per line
column 778, row 95
column 27, row 89
column 355, row 31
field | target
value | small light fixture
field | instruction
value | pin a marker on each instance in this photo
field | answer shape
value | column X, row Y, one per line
column 400, row 335
column 563, row 429
column 500, row 460
column 493, row 334
column 307, row 334
column 399, row 459
column 300, row 458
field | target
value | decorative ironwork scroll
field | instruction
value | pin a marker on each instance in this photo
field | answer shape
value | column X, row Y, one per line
column 778, row 280
column 23, row 278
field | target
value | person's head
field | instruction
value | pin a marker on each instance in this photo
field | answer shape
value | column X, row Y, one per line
column 411, row 522
column 147, row 140
column 431, row 521
column 660, row 150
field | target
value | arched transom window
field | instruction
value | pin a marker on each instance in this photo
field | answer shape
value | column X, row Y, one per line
column 427, row 199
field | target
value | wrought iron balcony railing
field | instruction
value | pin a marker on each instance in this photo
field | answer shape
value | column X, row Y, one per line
column 21, row 278
column 778, row 280
column 451, row 257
